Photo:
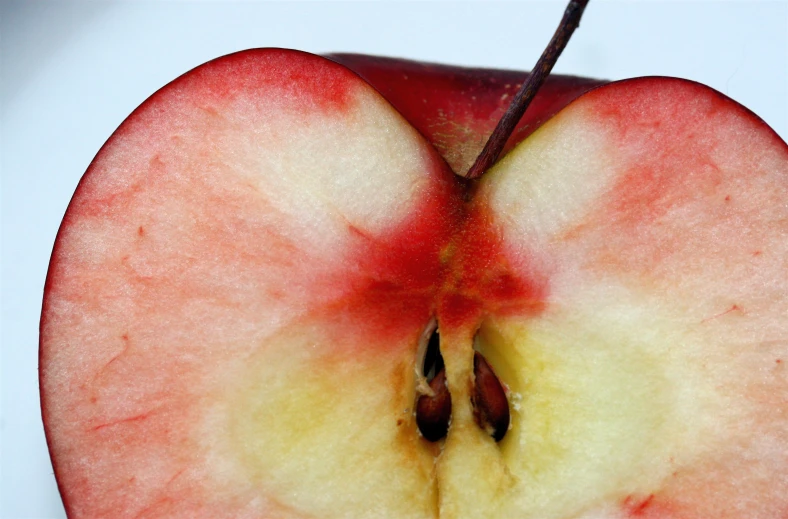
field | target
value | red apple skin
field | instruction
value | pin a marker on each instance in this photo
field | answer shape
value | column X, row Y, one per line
column 457, row 108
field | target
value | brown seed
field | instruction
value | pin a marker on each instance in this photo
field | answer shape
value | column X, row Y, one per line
column 434, row 412
column 490, row 405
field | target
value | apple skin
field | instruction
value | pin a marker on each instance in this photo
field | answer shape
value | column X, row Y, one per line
column 634, row 243
column 457, row 108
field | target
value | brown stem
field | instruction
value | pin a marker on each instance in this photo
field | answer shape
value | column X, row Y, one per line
column 514, row 113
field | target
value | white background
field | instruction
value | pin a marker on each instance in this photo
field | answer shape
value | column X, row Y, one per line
column 72, row 70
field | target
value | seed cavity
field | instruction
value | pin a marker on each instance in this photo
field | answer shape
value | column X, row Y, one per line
column 490, row 405
column 433, row 407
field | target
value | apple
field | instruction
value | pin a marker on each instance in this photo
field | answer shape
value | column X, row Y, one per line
column 273, row 295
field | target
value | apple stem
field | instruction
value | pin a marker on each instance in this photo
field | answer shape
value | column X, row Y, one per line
column 527, row 92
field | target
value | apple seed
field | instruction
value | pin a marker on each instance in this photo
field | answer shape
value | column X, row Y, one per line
column 433, row 413
column 490, row 405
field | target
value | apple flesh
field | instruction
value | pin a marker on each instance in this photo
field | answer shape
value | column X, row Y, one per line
column 241, row 290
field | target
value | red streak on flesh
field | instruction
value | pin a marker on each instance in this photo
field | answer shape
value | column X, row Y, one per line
column 638, row 507
column 483, row 279
column 447, row 259
column 456, row 310
column 391, row 279
column 667, row 140
column 734, row 308
column 130, row 419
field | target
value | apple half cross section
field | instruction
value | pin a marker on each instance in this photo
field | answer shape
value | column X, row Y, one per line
column 240, row 293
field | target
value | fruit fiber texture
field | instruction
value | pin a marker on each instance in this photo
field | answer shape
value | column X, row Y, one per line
column 241, row 285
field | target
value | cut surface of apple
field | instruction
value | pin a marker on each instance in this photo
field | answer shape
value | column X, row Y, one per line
column 241, row 291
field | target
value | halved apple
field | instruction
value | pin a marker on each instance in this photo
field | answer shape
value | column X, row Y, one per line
column 244, row 287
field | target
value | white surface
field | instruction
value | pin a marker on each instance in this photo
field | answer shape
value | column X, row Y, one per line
column 72, row 70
